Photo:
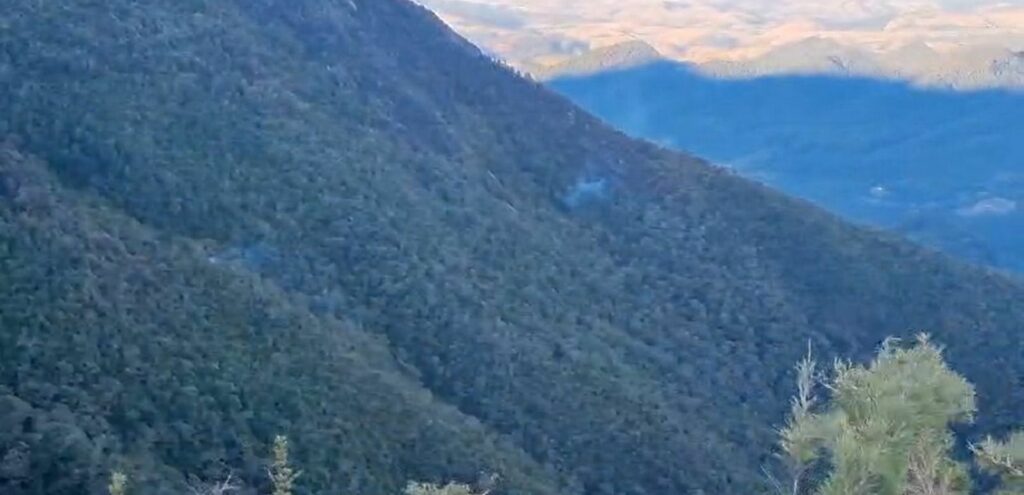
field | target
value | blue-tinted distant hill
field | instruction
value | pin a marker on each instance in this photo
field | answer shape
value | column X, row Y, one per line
column 946, row 167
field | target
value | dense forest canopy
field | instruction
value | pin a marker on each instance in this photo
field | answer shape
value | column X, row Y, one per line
column 335, row 220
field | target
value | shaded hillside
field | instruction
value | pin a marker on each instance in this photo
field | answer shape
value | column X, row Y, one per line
column 125, row 347
column 944, row 167
column 626, row 316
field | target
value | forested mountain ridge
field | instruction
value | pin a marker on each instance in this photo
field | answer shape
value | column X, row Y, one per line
column 553, row 301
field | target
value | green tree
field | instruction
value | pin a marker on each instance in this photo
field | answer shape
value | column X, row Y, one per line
column 885, row 430
column 281, row 473
column 432, row 489
column 118, row 483
column 1004, row 459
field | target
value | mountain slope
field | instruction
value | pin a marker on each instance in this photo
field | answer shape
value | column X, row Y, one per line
column 124, row 347
column 626, row 316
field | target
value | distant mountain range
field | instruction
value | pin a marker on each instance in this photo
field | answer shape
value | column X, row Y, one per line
column 546, row 32
column 613, row 57
column 966, row 68
column 945, row 167
column 971, row 67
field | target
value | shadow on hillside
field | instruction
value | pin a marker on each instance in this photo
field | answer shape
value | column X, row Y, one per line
column 945, row 167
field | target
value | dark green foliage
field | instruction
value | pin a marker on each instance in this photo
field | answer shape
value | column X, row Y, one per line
column 122, row 348
column 300, row 216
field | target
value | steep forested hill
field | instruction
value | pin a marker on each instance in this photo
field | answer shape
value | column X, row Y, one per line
column 125, row 348
column 336, row 220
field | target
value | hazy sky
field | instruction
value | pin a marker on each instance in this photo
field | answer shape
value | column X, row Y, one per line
column 713, row 29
